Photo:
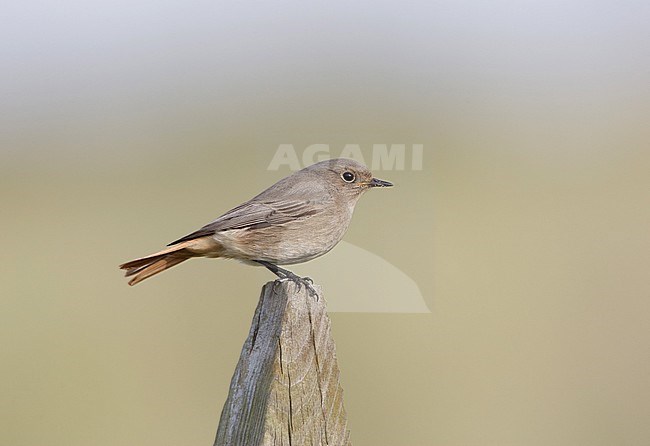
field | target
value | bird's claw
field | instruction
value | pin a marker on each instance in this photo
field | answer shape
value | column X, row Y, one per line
column 300, row 281
column 286, row 274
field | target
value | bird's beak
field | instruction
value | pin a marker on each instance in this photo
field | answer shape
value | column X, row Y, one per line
column 379, row 183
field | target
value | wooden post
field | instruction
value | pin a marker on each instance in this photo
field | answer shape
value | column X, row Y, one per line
column 285, row 389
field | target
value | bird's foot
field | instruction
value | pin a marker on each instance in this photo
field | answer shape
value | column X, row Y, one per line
column 298, row 280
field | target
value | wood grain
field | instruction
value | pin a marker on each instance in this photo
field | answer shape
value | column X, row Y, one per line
column 285, row 389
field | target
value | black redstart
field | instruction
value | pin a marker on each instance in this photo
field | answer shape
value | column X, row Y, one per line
column 299, row 218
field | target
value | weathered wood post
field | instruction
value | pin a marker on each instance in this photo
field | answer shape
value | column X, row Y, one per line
column 285, row 389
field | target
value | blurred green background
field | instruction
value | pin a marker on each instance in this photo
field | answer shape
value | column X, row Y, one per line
column 126, row 125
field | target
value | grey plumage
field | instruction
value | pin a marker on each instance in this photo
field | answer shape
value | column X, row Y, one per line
column 299, row 218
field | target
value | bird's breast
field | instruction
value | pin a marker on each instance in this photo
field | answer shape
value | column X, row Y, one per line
column 288, row 243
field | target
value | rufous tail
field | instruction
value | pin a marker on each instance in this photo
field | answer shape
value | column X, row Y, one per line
column 148, row 266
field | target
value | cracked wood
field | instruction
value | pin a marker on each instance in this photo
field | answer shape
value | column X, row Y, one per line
column 285, row 389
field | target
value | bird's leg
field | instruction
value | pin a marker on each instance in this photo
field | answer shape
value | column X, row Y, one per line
column 286, row 274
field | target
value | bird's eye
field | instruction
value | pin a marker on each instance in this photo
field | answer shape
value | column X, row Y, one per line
column 348, row 177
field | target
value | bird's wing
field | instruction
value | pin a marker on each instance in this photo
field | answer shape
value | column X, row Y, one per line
column 256, row 215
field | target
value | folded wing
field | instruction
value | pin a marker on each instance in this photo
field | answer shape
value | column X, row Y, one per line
column 255, row 215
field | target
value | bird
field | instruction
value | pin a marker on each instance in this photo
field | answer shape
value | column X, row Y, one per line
column 299, row 218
